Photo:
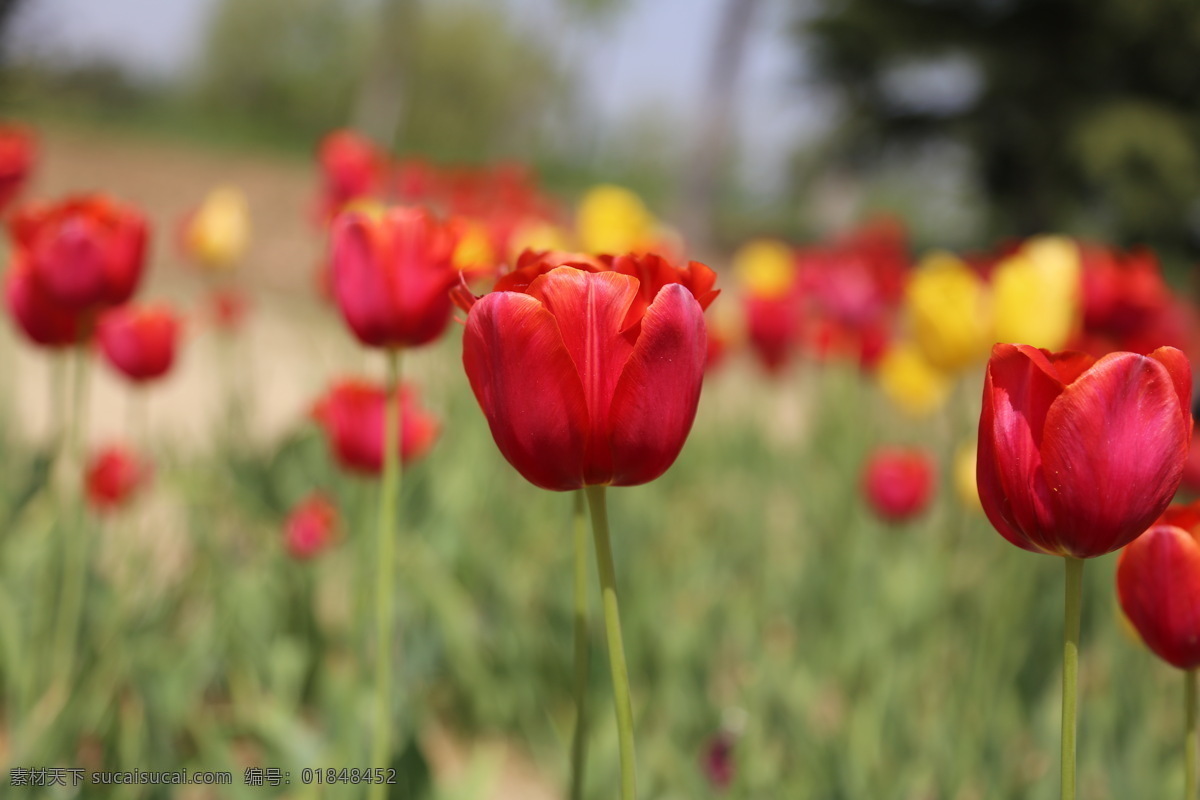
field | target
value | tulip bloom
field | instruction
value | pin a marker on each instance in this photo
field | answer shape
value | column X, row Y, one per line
column 352, row 415
column 85, row 252
column 1076, row 458
column 583, row 382
column 139, row 341
column 392, row 275
column 898, row 482
column 18, row 150
column 1158, row 583
column 113, row 475
column 911, row 382
column 310, row 527
column 352, row 168
column 44, row 322
column 216, row 234
column 612, row 219
column 227, row 309
column 951, row 312
column 1037, row 293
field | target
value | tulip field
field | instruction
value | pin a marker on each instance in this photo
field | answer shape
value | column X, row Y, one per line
column 364, row 476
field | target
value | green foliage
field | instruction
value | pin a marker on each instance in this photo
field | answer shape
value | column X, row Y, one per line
column 1079, row 116
column 856, row 659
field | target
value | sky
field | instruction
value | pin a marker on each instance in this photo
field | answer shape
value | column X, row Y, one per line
column 652, row 57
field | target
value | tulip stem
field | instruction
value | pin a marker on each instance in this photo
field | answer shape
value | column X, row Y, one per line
column 74, row 541
column 1074, row 596
column 385, row 572
column 616, row 649
column 579, row 740
column 1189, row 704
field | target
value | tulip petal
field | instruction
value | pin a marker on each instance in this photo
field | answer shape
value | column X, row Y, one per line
column 655, row 401
column 1113, row 453
column 1019, row 388
column 362, row 290
column 1070, row 364
column 590, row 309
column 1181, row 375
column 527, row 386
column 1158, row 583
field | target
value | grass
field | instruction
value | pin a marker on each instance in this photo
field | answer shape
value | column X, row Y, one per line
column 853, row 659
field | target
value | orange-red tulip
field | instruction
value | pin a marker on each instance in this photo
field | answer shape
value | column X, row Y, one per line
column 352, row 168
column 44, row 322
column 353, row 415
column 310, row 527
column 85, row 252
column 392, row 275
column 139, row 341
column 591, row 378
column 1078, row 457
column 898, row 482
column 113, row 475
column 1158, row 583
column 18, row 150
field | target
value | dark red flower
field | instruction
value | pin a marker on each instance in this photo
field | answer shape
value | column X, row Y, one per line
column 311, row 527
column 392, row 276
column 85, row 252
column 44, row 322
column 581, row 383
column 898, row 482
column 1158, row 583
column 139, row 341
column 716, row 761
column 1076, row 458
column 113, row 475
column 353, row 416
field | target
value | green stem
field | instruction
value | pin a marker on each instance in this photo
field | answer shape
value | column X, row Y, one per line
column 1074, row 595
column 616, row 649
column 74, row 538
column 1189, row 739
column 579, row 741
column 385, row 573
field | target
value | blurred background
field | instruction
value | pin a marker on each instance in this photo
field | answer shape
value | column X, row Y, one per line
column 970, row 120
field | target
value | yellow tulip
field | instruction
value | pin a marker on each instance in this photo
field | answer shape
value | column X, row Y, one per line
column 1037, row 293
column 765, row 267
column 613, row 220
column 218, row 232
column 537, row 236
column 964, row 476
column 910, row 381
column 950, row 308
column 474, row 251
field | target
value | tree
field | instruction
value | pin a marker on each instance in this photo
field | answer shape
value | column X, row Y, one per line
column 1079, row 115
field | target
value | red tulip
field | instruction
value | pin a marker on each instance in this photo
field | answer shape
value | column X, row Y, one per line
column 85, row 252
column 773, row 328
column 114, row 474
column 1077, row 457
column 310, row 527
column 18, row 150
column 1158, row 583
column 352, row 167
column 139, row 341
column 717, row 762
column 581, row 382
column 898, row 482
column 353, row 416
column 44, row 322
column 392, row 276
